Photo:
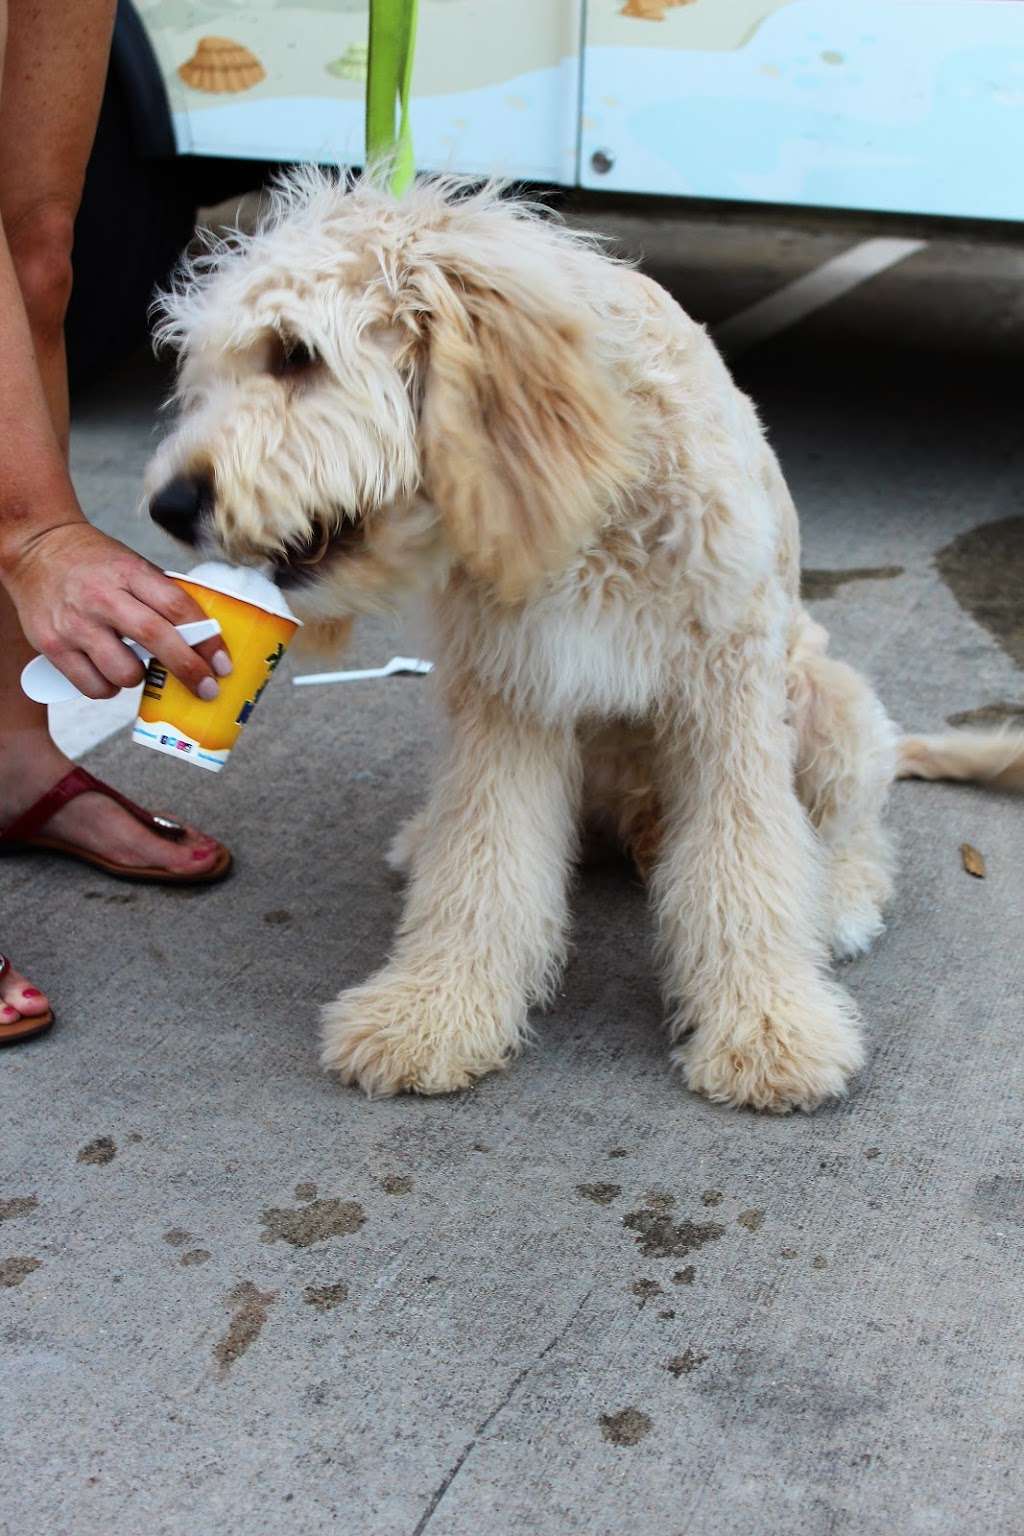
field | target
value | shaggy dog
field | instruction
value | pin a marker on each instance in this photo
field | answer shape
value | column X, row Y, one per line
column 454, row 394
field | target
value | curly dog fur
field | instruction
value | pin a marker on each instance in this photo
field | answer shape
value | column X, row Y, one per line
column 455, row 395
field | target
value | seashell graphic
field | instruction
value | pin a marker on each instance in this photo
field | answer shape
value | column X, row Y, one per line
column 221, row 65
column 352, row 65
column 650, row 10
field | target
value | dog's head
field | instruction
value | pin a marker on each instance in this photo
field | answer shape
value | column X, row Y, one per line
column 372, row 393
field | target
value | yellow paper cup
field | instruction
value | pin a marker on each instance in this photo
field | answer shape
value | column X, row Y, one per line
column 257, row 634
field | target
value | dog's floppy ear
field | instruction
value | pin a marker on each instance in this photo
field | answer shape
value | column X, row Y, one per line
column 525, row 440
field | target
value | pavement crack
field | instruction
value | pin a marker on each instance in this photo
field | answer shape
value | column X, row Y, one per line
column 460, row 1461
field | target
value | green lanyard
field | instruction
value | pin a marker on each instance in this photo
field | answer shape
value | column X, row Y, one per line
column 388, row 77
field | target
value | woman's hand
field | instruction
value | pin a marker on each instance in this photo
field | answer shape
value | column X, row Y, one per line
column 79, row 592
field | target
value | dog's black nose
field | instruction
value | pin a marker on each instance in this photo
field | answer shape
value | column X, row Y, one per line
column 179, row 505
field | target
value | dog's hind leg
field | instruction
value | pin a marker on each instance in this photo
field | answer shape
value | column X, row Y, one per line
column 620, row 796
column 484, row 928
column 846, row 749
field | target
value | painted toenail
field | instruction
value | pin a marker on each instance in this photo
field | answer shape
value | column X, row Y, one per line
column 31, row 992
column 8, row 1011
column 208, row 689
column 222, row 664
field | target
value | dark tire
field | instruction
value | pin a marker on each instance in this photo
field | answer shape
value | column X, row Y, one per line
column 136, row 217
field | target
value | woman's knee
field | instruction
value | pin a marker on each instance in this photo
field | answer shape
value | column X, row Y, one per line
column 40, row 241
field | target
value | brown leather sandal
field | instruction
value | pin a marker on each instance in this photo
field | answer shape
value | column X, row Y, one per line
column 28, row 1025
column 23, row 835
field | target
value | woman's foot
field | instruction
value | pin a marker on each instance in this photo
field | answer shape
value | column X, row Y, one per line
column 19, row 999
column 31, row 764
column 24, row 1010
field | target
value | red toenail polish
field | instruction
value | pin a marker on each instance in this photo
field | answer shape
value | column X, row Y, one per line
column 10, row 1010
column 31, row 992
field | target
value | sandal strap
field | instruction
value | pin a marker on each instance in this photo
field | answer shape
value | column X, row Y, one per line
column 5, row 966
column 79, row 781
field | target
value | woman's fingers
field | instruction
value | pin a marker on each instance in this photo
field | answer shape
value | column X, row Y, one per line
column 116, row 663
column 216, row 653
column 80, row 671
column 179, row 607
column 150, row 586
column 161, row 639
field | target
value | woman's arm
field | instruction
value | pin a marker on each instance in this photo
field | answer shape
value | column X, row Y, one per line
column 77, row 591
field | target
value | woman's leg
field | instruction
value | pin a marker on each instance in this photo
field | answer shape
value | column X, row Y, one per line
column 53, row 61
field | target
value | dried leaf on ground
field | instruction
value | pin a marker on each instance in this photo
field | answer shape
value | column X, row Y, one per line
column 973, row 861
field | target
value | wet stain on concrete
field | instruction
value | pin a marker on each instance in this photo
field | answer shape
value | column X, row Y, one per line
column 684, row 1276
column 998, row 713
column 789, row 1253
column 249, row 1310
column 618, row 1152
column 645, row 1291
column 313, row 1223
column 659, row 1200
column 20, row 1205
column 817, row 585
column 819, row 1262
column 279, row 918
column 195, row 1256
column 396, row 1183
column 753, row 1220
column 764, row 1390
column 326, row 1297
column 1000, row 1198
column 101, row 1150
column 659, row 1237
column 667, row 1316
column 984, row 570
column 134, row 1137
column 712, row 1197
column 627, row 1427
column 306, row 1191
column 177, row 1237
column 871, row 1152
column 14, row 1271
column 601, row 1194
column 689, row 1360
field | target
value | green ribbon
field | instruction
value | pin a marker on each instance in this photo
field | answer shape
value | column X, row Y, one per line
column 388, row 78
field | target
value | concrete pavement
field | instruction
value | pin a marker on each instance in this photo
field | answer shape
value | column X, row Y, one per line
column 237, row 1299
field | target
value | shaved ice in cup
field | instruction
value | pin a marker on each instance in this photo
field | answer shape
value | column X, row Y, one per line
column 257, row 626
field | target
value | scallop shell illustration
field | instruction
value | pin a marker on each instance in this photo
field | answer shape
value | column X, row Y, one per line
column 221, row 65
column 650, row 10
column 353, row 63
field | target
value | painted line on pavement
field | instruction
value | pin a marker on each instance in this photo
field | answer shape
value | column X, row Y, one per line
column 834, row 278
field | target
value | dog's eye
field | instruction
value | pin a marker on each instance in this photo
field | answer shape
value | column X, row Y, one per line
column 290, row 357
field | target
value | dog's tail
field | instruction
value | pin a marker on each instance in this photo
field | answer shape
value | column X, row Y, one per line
column 981, row 757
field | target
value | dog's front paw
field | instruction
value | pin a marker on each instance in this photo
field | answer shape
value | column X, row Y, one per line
column 405, row 1035
column 793, row 1055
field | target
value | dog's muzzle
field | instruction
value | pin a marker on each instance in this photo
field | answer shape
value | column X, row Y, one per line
column 180, row 506
column 302, row 561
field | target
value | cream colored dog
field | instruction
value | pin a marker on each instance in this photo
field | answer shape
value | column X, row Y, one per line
column 453, row 394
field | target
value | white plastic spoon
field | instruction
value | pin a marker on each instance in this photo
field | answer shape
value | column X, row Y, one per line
column 46, row 685
column 408, row 665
